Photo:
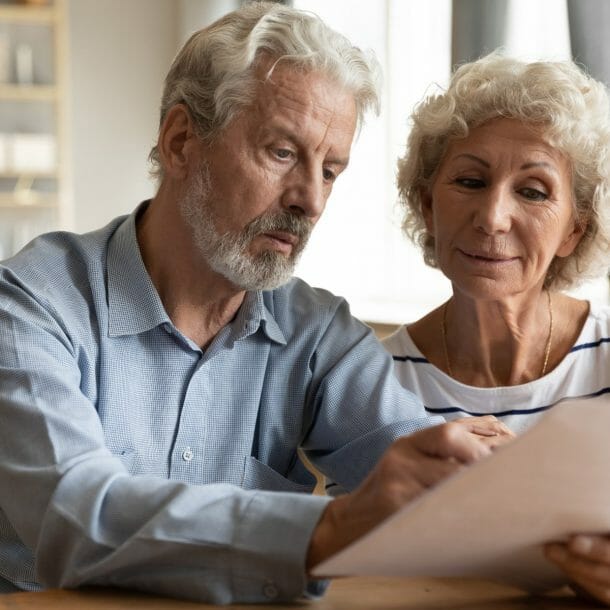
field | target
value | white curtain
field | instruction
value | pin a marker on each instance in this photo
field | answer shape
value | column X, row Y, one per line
column 358, row 250
column 590, row 36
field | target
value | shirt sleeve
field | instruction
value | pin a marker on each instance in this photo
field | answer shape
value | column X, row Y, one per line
column 359, row 406
column 86, row 520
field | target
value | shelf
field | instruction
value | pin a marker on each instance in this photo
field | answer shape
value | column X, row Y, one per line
column 20, row 13
column 28, row 175
column 28, row 200
column 32, row 201
column 28, row 93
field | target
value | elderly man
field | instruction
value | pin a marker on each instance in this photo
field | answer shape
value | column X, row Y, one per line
column 158, row 376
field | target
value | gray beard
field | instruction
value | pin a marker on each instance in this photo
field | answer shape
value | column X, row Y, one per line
column 227, row 254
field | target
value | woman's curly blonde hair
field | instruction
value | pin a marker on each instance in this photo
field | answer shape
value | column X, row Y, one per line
column 573, row 111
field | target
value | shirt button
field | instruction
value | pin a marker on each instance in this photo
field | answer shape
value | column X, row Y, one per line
column 270, row 591
column 187, row 454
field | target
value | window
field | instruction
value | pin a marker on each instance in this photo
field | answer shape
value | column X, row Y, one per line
column 357, row 249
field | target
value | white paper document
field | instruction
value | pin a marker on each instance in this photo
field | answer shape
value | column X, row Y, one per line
column 491, row 519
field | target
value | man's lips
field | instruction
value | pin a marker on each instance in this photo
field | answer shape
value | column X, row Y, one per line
column 282, row 240
column 289, row 238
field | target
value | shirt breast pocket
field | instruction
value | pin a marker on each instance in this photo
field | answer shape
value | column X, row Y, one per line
column 261, row 476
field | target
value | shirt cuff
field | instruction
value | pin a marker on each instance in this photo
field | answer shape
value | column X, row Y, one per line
column 278, row 528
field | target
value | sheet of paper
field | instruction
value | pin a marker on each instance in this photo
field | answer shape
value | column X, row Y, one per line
column 491, row 519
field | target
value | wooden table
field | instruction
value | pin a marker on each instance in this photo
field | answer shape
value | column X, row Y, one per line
column 344, row 594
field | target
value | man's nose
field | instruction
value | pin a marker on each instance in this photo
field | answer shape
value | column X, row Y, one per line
column 305, row 194
column 494, row 210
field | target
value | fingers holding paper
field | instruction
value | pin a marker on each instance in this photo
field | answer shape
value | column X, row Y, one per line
column 586, row 561
column 411, row 465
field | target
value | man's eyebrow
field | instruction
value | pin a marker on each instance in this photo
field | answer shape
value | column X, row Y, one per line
column 278, row 130
column 292, row 136
column 343, row 161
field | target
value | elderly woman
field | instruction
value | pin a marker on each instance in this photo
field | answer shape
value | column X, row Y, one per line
column 506, row 188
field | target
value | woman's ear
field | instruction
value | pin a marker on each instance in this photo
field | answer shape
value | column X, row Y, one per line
column 426, row 208
column 568, row 245
column 175, row 137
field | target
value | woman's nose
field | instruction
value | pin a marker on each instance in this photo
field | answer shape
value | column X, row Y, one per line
column 494, row 211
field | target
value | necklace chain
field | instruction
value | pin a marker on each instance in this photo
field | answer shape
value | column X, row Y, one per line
column 549, row 339
column 444, row 334
column 547, row 348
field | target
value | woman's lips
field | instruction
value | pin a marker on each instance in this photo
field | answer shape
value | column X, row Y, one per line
column 487, row 257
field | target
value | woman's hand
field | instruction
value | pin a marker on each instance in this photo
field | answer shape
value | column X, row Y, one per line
column 491, row 430
column 586, row 562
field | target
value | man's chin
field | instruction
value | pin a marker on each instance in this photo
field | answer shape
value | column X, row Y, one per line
column 264, row 271
column 271, row 283
column 260, row 281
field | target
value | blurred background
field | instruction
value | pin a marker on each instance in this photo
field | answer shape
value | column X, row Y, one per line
column 80, row 83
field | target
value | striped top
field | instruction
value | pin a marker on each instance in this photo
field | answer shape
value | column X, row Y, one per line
column 584, row 372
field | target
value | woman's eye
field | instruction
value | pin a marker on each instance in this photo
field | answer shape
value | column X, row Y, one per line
column 533, row 194
column 470, row 183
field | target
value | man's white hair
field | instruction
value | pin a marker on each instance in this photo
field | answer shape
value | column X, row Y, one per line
column 214, row 73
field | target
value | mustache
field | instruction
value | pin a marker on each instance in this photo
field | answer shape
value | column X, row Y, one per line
column 285, row 222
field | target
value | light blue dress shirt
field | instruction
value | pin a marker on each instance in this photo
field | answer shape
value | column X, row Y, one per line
column 130, row 457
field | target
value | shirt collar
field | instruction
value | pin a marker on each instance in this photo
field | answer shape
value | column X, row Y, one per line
column 134, row 305
column 254, row 314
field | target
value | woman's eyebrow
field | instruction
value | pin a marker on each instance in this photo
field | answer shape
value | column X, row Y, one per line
column 472, row 158
column 544, row 164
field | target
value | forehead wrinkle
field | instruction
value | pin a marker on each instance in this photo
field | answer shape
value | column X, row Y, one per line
column 292, row 83
column 310, row 107
column 343, row 162
column 282, row 99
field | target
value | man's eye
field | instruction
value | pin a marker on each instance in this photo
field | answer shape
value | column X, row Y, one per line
column 533, row 194
column 470, row 183
column 329, row 175
column 283, row 153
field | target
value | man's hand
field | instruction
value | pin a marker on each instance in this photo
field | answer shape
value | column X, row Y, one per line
column 586, row 562
column 411, row 465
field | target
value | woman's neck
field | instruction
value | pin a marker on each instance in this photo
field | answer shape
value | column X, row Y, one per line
column 500, row 343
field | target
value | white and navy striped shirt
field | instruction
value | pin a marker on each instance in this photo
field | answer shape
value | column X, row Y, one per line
column 583, row 373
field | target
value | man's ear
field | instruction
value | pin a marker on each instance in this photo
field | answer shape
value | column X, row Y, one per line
column 425, row 198
column 176, row 137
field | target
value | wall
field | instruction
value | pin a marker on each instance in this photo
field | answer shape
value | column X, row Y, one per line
column 193, row 14
column 119, row 52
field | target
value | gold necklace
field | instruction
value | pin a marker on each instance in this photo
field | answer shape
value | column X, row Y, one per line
column 444, row 335
column 547, row 348
column 549, row 339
